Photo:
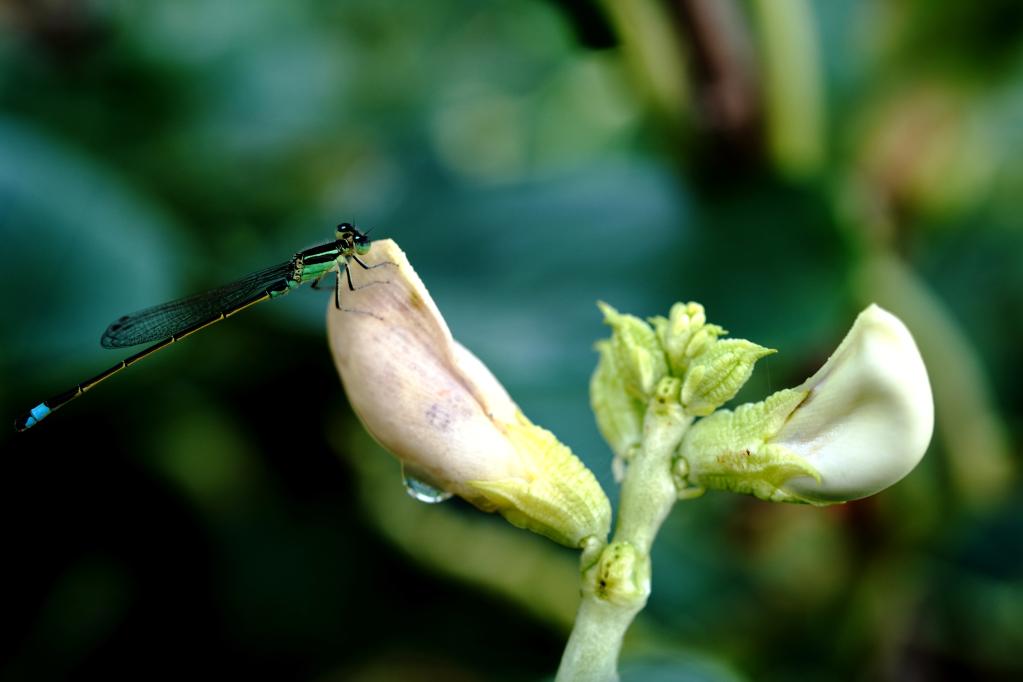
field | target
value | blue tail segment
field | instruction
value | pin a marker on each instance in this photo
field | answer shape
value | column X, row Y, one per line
column 33, row 417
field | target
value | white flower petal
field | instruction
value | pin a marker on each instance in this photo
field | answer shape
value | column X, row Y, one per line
column 869, row 415
column 436, row 407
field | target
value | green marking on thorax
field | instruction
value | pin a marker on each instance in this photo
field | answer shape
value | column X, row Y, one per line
column 313, row 271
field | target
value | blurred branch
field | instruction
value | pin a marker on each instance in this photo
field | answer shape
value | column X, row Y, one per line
column 67, row 29
column 725, row 77
column 704, row 72
column 792, row 89
column 654, row 54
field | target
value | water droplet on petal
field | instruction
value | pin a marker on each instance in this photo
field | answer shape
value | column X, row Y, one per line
column 422, row 491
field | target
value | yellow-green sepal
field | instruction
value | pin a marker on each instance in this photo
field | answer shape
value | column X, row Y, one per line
column 685, row 335
column 560, row 499
column 717, row 374
column 760, row 473
column 619, row 414
column 638, row 356
column 731, row 450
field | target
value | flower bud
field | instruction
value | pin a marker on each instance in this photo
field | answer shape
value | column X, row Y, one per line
column 438, row 409
column 685, row 334
column 869, row 414
column 718, row 373
column 619, row 414
column 857, row 426
column 637, row 352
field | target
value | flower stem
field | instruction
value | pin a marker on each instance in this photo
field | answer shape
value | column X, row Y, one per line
column 616, row 577
column 596, row 639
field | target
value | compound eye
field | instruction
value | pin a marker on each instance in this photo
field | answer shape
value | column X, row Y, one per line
column 362, row 248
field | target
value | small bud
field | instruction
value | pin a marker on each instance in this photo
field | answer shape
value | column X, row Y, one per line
column 637, row 353
column 857, row 426
column 438, row 409
column 718, row 373
column 619, row 415
column 621, row 575
column 685, row 334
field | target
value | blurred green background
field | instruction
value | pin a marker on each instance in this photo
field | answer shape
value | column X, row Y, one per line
column 218, row 512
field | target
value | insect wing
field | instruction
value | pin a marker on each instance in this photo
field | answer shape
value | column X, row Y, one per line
column 167, row 319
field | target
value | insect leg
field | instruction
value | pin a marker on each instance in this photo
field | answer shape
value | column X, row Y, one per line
column 370, row 267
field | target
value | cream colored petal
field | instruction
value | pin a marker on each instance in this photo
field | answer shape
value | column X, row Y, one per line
column 422, row 396
column 869, row 414
column 434, row 405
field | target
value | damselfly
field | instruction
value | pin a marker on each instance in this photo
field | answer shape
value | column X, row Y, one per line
column 173, row 321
